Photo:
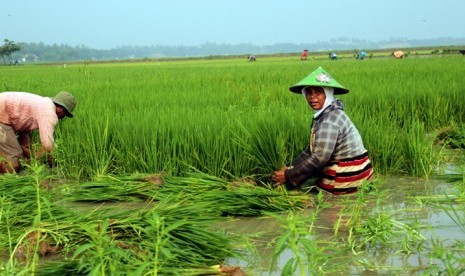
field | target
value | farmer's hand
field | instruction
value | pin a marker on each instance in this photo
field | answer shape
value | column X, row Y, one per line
column 26, row 152
column 39, row 153
column 50, row 161
column 279, row 177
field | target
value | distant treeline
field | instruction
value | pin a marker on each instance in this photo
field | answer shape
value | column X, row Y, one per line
column 40, row 52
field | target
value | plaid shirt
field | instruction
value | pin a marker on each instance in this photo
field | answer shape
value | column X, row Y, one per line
column 333, row 137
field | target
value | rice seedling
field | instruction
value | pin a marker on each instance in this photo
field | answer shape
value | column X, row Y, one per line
column 447, row 198
column 108, row 190
column 379, row 230
column 309, row 254
column 446, row 259
column 265, row 149
column 422, row 152
column 447, row 256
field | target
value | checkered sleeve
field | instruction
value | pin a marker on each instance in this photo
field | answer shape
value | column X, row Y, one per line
column 310, row 164
column 304, row 155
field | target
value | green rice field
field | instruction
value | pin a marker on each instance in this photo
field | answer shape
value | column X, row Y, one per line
column 166, row 164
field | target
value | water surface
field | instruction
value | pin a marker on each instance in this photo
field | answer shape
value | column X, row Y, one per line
column 405, row 200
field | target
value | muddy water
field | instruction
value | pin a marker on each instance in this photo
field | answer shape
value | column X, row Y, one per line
column 399, row 197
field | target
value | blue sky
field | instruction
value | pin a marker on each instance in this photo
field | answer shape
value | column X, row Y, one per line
column 105, row 24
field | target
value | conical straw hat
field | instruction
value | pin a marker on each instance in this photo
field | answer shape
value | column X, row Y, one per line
column 319, row 77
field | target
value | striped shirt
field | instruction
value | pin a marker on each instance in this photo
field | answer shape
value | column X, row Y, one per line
column 336, row 153
column 26, row 112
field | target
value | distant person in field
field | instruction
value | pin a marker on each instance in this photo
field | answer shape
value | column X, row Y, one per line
column 335, row 157
column 251, row 58
column 398, row 54
column 304, row 55
column 20, row 114
column 332, row 56
column 361, row 55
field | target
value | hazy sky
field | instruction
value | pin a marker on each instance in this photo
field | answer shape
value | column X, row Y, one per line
column 105, row 24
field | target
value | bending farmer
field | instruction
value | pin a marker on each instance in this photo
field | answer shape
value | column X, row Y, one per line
column 22, row 112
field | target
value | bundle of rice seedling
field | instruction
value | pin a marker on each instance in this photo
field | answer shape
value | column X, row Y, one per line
column 233, row 198
column 25, row 197
column 107, row 189
column 19, row 188
column 166, row 237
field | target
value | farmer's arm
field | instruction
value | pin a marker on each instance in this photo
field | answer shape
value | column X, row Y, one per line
column 46, row 131
column 323, row 147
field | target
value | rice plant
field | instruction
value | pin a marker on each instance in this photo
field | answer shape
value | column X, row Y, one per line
column 232, row 118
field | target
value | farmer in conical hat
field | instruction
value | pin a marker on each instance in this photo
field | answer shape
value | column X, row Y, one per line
column 336, row 156
column 20, row 114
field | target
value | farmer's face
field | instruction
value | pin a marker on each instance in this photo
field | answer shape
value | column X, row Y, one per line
column 60, row 111
column 315, row 96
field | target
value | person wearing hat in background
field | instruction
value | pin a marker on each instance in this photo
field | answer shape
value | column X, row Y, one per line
column 336, row 156
column 23, row 112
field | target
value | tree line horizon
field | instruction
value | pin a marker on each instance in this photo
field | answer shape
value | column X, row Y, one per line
column 13, row 52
